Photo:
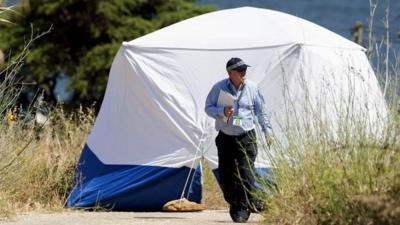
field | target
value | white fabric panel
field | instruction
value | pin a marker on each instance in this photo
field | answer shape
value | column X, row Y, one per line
column 347, row 87
column 244, row 27
column 137, row 125
column 311, row 86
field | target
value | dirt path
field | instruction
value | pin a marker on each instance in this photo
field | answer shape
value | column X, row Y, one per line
column 208, row 217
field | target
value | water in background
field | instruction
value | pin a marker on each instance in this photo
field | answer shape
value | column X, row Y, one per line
column 10, row 2
column 338, row 16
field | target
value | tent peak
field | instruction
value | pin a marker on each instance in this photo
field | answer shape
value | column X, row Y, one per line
column 241, row 28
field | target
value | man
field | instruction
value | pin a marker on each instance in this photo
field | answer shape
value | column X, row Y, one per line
column 236, row 140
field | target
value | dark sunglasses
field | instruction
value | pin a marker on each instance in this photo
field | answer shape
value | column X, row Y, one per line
column 242, row 70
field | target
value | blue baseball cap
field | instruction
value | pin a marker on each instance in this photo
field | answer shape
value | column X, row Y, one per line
column 236, row 64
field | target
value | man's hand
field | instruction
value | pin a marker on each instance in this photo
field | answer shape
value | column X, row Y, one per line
column 269, row 139
column 228, row 111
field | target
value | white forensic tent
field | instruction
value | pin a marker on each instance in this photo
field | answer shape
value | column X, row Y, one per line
column 152, row 131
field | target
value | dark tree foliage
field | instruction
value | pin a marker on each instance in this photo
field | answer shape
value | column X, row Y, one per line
column 85, row 36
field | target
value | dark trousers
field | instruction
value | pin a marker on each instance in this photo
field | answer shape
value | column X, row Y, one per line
column 236, row 156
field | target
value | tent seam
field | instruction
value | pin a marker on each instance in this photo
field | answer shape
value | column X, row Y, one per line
column 125, row 44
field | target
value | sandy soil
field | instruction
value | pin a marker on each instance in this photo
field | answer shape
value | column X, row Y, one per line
column 208, row 217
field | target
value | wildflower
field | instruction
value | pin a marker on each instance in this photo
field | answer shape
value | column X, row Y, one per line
column 10, row 118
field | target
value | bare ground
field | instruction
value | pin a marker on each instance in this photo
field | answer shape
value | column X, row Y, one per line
column 207, row 217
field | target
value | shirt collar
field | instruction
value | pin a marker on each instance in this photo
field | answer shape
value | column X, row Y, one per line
column 231, row 87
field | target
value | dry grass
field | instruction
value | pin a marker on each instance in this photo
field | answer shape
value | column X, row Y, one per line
column 349, row 178
column 342, row 186
column 37, row 163
column 212, row 194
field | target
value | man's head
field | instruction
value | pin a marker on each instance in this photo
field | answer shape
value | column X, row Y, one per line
column 236, row 64
column 237, row 70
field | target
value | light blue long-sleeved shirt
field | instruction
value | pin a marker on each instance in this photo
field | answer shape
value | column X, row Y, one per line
column 250, row 99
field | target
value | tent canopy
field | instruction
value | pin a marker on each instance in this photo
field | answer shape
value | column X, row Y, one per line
column 152, row 131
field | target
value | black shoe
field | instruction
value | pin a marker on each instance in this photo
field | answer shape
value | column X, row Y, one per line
column 239, row 214
column 257, row 207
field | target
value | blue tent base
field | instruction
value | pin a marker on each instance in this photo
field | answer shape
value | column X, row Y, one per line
column 130, row 187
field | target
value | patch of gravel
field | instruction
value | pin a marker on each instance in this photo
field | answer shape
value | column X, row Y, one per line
column 207, row 217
